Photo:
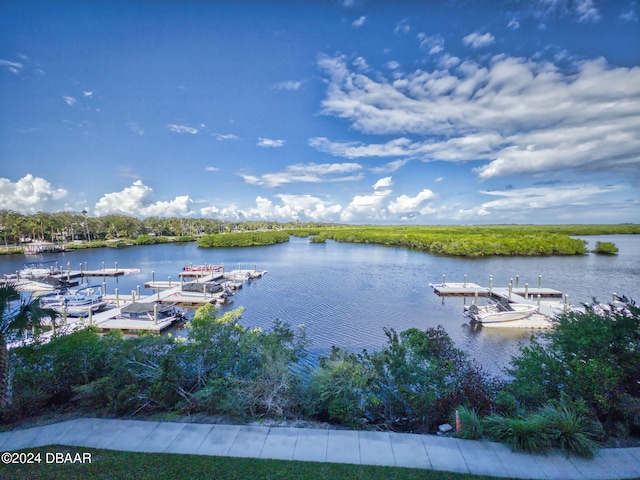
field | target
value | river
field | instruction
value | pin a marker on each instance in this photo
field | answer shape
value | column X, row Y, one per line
column 346, row 294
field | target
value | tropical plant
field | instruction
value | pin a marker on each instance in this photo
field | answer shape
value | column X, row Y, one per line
column 27, row 315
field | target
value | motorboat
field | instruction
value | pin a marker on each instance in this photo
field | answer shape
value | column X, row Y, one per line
column 75, row 302
column 500, row 311
column 34, row 270
column 202, row 268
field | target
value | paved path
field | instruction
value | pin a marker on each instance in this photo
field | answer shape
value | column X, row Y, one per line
column 319, row 445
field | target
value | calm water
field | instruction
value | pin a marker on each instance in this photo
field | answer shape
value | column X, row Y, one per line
column 346, row 294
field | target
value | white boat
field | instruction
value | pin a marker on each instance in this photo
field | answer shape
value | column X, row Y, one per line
column 39, row 270
column 501, row 311
column 75, row 302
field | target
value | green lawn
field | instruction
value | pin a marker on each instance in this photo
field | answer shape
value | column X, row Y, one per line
column 107, row 464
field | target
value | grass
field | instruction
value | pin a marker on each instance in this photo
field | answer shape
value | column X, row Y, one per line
column 107, row 465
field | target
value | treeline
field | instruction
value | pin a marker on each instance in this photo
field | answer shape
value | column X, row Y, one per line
column 16, row 228
column 474, row 241
column 245, row 239
column 576, row 386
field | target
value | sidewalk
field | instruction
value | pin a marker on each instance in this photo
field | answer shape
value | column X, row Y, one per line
column 319, row 445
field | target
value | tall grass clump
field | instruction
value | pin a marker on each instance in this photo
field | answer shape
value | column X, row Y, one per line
column 571, row 430
column 470, row 424
column 525, row 434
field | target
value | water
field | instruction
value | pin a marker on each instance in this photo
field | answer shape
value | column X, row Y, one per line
column 346, row 294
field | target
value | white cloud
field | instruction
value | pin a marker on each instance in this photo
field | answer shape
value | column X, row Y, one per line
column 514, row 202
column 581, row 10
column 475, row 40
column 69, row 100
column 288, row 85
column 182, row 129
column 136, row 201
column 514, row 114
column 359, row 21
column 29, row 194
column 629, row 15
column 228, row 136
column 308, row 173
column 370, row 207
column 404, row 204
column 383, row 183
column 392, row 65
column 86, row 93
column 211, row 169
column 513, row 24
column 402, row 27
column 13, row 67
column 269, row 142
column 433, row 44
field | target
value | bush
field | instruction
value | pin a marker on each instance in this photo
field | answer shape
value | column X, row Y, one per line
column 570, row 430
column 607, row 248
column 526, row 434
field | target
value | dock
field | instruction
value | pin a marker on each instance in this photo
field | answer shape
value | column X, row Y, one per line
column 547, row 308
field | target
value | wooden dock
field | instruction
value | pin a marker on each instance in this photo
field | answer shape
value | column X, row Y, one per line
column 547, row 309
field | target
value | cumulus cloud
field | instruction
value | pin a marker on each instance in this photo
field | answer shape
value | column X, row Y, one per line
column 182, row 129
column 404, row 205
column 475, row 40
column 270, row 142
column 370, row 206
column 383, row 183
column 308, row 173
column 513, row 114
column 137, row 201
column 29, row 194
column 359, row 21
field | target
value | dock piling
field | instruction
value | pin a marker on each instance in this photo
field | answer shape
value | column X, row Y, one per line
column 490, row 283
column 539, row 281
column 133, row 296
column 517, row 280
column 465, row 280
column 510, row 287
column 526, row 291
column 443, row 278
column 117, row 298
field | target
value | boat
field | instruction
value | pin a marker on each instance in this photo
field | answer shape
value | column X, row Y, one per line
column 202, row 268
column 151, row 311
column 39, row 270
column 75, row 302
column 500, row 311
column 37, row 248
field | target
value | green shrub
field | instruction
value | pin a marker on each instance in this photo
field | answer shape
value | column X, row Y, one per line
column 526, row 434
column 607, row 248
column 570, row 430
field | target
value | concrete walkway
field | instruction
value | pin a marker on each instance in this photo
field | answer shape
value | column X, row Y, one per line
column 319, row 445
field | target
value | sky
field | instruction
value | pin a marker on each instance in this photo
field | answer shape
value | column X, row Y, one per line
column 347, row 111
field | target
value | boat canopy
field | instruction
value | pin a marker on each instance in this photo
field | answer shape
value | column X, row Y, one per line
column 139, row 307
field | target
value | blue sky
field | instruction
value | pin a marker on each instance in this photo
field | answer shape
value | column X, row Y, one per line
column 350, row 111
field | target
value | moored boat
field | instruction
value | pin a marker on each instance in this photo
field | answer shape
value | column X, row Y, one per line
column 501, row 311
column 75, row 302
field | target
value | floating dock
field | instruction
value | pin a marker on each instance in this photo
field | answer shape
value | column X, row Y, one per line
column 547, row 309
